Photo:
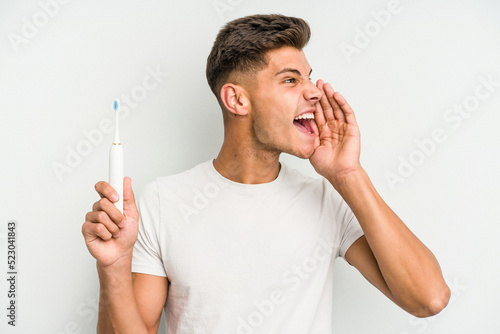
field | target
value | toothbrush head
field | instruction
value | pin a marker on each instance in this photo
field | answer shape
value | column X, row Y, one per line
column 116, row 107
column 116, row 104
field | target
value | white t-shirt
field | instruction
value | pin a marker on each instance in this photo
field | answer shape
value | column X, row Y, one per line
column 244, row 258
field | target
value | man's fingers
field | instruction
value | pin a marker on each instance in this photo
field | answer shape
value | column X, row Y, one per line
column 101, row 218
column 92, row 230
column 336, row 108
column 110, row 209
column 319, row 115
column 129, row 206
column 324, row 103
column 128, row 193
column 104, row 189
column 346, row 108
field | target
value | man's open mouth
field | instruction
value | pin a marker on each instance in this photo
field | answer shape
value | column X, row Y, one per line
column 303, row 122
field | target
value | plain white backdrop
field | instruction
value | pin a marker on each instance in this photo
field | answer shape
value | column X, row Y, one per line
column 422, row 76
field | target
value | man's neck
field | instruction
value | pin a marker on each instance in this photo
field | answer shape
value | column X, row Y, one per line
column 240, row 162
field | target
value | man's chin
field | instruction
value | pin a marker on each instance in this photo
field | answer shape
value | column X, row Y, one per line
column 304, row 153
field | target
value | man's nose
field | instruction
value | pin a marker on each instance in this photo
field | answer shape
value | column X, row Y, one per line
column 312, row 92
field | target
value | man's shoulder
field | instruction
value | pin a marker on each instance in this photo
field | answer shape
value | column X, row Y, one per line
column 310, row 186
column 188, row 178
column 192, row 174
column 298, row 178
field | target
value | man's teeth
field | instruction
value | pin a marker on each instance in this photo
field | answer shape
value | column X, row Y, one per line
column 308, row 115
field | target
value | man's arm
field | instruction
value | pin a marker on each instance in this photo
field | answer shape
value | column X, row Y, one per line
column 150, row 294
column 128, row 303
column 390, row 256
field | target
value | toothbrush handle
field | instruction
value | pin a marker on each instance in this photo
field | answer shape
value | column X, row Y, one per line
column 116, row 172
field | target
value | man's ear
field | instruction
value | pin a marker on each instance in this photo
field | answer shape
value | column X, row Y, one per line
column 235, row 99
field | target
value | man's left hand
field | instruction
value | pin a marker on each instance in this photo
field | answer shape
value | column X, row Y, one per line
column 338, row 152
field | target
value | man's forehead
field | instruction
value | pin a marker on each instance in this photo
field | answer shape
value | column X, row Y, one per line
column 285, row 59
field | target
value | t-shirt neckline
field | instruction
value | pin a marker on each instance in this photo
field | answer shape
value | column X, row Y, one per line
column 242, row 187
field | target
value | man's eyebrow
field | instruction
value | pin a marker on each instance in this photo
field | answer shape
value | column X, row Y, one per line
column 293, row 70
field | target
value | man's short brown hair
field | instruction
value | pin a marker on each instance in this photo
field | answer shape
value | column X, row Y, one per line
column 242, row 44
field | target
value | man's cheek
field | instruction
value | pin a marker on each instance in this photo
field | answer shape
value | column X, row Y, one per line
column 266, row 131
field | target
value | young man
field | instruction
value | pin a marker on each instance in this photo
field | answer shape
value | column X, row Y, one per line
column 244, row 244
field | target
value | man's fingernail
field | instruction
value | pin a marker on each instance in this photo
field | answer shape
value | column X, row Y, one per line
column 122, row 223
column 114, row 198
column 117, row 235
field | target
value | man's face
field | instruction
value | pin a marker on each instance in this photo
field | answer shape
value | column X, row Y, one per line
column 282, row 93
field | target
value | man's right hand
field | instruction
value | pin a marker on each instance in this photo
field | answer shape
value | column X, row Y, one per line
column 109, row 234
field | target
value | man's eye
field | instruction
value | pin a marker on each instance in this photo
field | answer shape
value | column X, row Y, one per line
column 291, row 80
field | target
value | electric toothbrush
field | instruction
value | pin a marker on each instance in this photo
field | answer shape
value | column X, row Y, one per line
column 116, row 160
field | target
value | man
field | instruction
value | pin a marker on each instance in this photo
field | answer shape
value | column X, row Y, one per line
column 244, row 244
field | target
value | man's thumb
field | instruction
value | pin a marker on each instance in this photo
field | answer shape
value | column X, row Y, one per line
column 128, row 194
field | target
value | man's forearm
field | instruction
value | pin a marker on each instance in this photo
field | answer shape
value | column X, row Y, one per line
column 118, row 311
column 409, row 268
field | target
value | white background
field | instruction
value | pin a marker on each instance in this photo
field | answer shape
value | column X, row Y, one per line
column 60, row 81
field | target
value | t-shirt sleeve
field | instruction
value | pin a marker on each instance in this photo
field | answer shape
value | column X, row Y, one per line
column 147, row 257
column 348, row 230
column 351, row 232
